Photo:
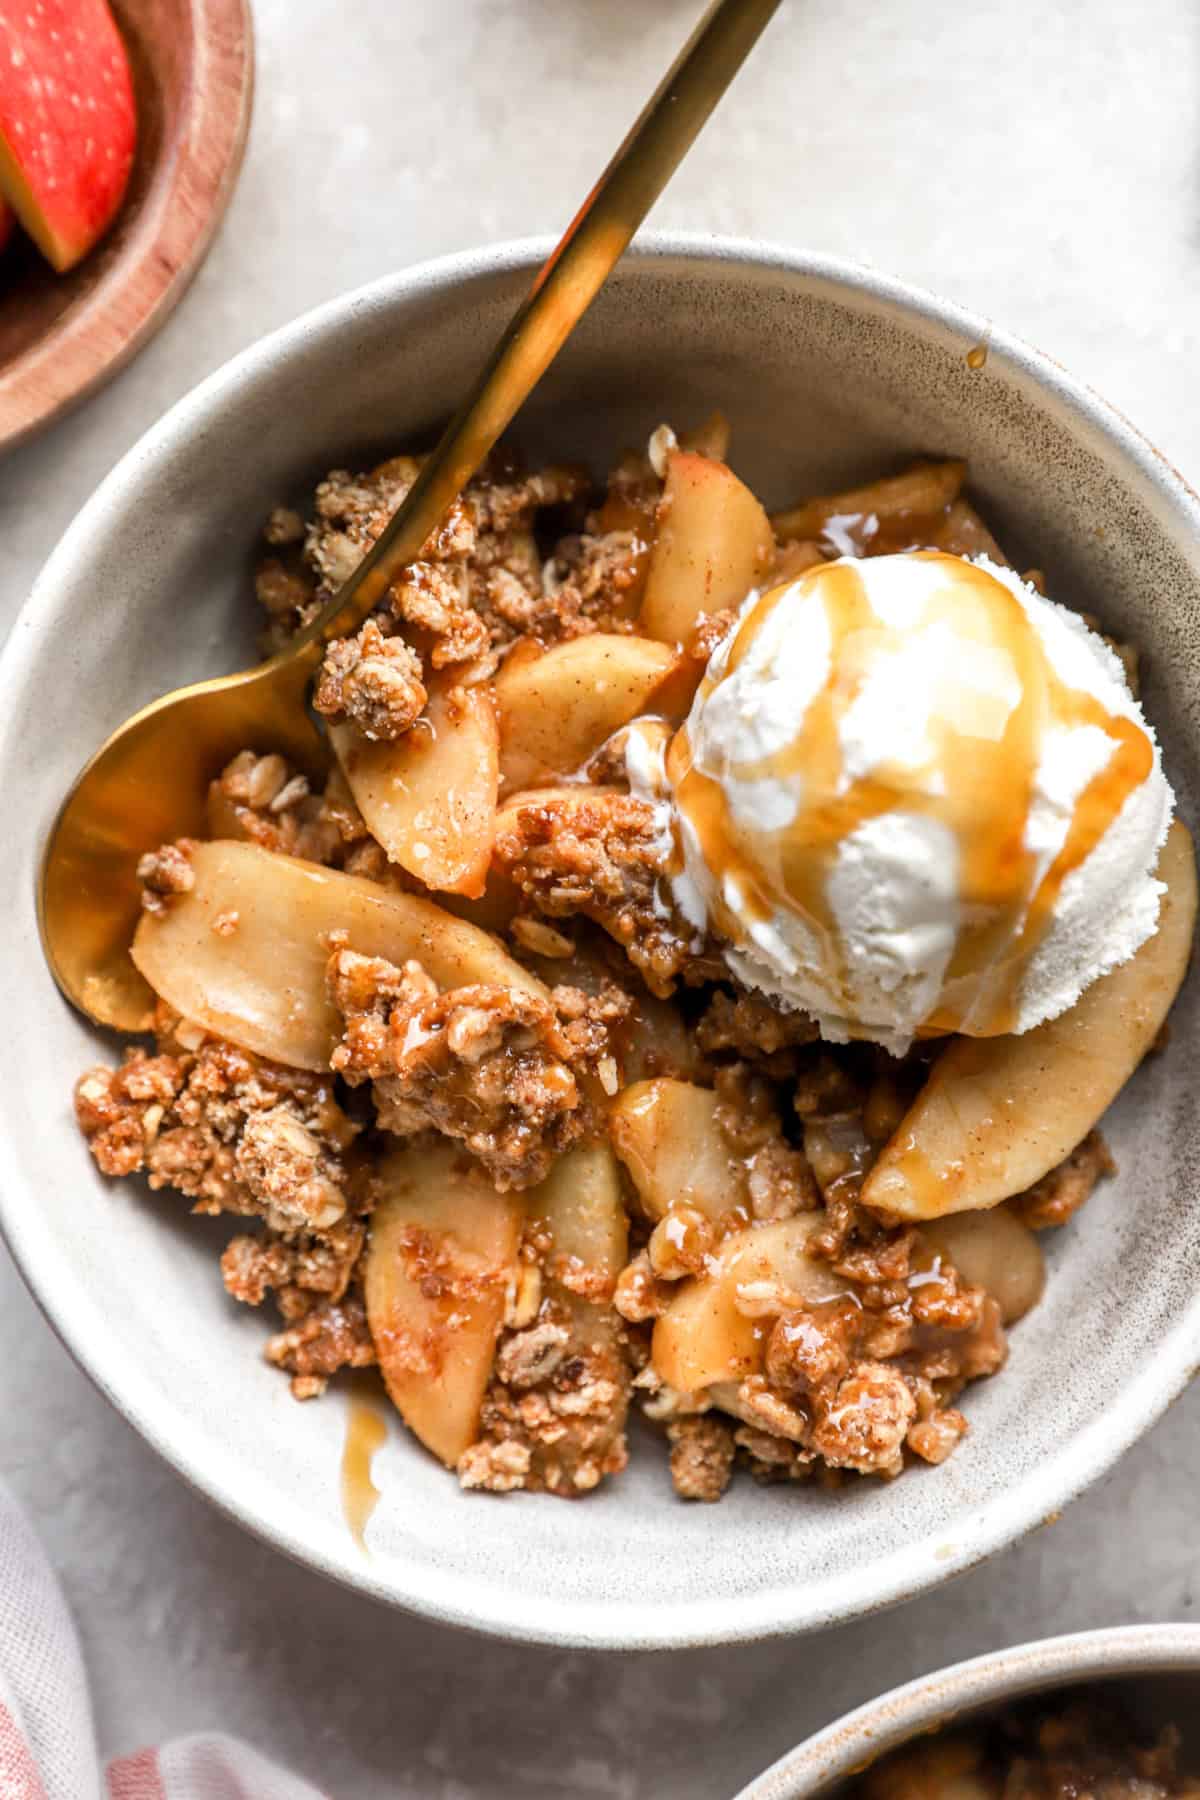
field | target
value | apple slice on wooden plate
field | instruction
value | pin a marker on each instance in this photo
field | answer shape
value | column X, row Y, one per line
column 996, row 1114
column 192, row 65
column 68, row 127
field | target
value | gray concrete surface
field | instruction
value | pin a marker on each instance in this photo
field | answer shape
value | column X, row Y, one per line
column 1040, row 162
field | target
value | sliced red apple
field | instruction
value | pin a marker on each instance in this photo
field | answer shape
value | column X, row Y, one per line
column 68, row 126
column 996, row 1114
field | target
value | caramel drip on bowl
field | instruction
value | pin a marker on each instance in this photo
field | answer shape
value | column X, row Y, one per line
column 366, row 1432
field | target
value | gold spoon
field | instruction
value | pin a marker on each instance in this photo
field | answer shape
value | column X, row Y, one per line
column 147, row 784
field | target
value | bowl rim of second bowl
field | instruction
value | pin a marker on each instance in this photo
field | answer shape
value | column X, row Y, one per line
column 562, row 1622
column 943, row 1696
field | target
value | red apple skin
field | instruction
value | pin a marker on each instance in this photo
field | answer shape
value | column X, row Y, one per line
column 8, row 220
column 68, row 126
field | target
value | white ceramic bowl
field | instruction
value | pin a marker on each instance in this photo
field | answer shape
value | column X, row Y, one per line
column 828, row 373
column 1152, row 1672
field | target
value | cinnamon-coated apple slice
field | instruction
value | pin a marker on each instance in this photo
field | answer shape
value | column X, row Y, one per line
column 557, row 708
column 429, row 797
column 440, row 1263
column 705, row 1336
column 996, row 1114
column 67, row 122
column 243, row 952
column 714, row 543
column 667, row 1135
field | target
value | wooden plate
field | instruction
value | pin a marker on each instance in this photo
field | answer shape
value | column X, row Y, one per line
column 62, row 335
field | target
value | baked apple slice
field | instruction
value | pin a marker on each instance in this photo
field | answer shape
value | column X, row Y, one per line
column 493, row 910
column 581, row 1202
column 657, row 1037
column 243, row 952
column 557, row 708
column 714, row 543
column 996, row 1114
column 705, row 1336
column 67, row 122
column 994, row 1251
column 562, row 1374
column 580, row 1206
column 909, row 503
column 440, row 1264
column 666, row 1133
column 429, row 797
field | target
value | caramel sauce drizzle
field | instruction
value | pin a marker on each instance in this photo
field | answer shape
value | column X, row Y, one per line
column 978, row 785
column 366, row 1432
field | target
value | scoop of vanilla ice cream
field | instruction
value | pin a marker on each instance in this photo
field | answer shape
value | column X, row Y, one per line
column 913, row 795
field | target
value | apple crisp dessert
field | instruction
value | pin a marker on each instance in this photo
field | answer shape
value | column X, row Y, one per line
column 1085, row 1748
column 496, row 1104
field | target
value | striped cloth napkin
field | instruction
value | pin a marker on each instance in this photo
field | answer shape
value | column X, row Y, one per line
column 47, row 1741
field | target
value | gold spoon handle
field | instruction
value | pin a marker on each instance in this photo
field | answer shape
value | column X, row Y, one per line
column 558, row 299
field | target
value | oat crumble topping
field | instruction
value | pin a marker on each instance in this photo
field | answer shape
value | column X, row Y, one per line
column 599, row 855
column 372, row 682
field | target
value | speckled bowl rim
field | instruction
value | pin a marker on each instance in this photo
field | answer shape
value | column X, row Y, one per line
column 695, row 1621
column 852, row 1742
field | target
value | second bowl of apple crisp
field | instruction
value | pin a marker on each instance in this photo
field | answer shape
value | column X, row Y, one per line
column 1105, row 1713
column 497, row 1111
